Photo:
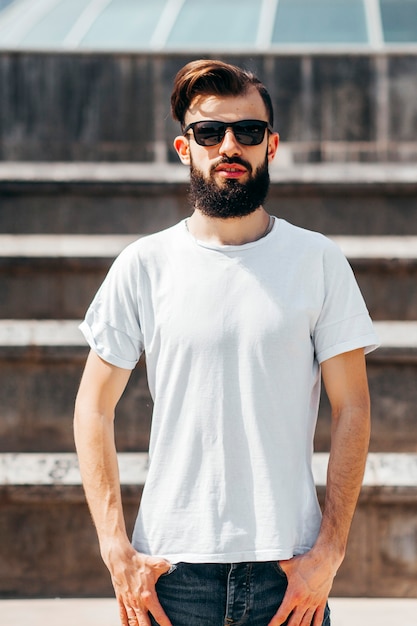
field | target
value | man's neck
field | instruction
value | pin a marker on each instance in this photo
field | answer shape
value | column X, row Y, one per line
column 233, row 231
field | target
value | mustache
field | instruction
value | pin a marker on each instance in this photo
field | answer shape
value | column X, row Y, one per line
column 231, row 161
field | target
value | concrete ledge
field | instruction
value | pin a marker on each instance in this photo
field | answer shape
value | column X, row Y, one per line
column 397, row 334
column 92, row 172
column 378, row 247
column 108, row 246
column 48, row 469
column 64, row 246
column 56, row 276
column 47, row 494
column 392, row 334
column 43, row 360
column 35, row 469
column 104, row 612
column 380, row 174
column 47, row 333
column 108, row 198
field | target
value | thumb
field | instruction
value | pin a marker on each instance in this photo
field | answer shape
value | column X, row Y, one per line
column 159, row 565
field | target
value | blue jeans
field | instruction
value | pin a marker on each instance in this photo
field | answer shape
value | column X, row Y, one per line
column 211, row 594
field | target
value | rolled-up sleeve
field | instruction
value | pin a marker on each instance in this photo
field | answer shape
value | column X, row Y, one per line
column 112, row 323
column 344, row 323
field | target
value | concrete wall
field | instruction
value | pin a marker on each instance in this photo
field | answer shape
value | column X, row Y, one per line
column 54, row 533
column 99, row 106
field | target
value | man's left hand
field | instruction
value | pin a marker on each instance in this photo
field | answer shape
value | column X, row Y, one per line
column 310, row 579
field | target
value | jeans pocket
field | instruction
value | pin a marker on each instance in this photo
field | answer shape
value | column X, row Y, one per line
column 277, row 567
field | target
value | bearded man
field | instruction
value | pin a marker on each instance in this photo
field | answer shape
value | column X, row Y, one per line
column 241, row 315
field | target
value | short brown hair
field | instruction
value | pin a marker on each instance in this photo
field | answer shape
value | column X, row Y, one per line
column 210, row 77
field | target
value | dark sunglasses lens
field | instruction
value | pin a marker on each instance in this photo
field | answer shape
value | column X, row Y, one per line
column 209, row 133
column 249, row 133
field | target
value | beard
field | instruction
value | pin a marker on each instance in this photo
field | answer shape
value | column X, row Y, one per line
column 232, row 198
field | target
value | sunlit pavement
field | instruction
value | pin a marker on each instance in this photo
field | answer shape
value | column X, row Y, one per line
column 103, row 612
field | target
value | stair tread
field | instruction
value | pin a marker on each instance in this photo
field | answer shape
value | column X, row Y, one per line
column 392, row 334
column 385, row 469
column 79, row 246
column 102, row 172
column 108, row 246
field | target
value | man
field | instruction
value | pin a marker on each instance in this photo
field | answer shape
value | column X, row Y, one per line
column 239, row 314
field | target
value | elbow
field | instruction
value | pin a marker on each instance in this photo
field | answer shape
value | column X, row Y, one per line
column 91, row 421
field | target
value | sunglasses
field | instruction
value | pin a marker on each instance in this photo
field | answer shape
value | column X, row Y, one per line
column 211, row 133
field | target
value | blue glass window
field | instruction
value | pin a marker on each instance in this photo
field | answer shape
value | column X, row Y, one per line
column 125, row 24
column 52, row 29
column 4, row 4
column 320, row 21
column 238, row 25
column 216, row 23
column 399, row 20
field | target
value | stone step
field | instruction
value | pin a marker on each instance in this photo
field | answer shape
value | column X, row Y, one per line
column 104, row 611
column 41, row 364
column 56, row 276
column 107, row 198
column 59, row 469
column 46, row 527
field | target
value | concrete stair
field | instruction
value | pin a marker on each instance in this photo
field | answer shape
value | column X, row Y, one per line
column 104, row 611
column 127, row 198
column 42, row 500
column 42, row 360
column 61, row 225
column 55, row 276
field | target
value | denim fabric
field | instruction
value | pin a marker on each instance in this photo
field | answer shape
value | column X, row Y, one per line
column 211, row 594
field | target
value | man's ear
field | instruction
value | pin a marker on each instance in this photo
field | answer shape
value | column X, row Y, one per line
column 182, row 148
column 273, row 142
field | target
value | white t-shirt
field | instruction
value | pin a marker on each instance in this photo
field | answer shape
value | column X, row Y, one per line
column 233, row 336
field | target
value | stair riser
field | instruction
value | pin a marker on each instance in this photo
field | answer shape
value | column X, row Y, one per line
column 37, row 399
column 345, row 209
column 63, row 288
column 55, row 534
column 37, row 394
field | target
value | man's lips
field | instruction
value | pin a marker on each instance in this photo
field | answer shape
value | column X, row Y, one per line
column 231, row 170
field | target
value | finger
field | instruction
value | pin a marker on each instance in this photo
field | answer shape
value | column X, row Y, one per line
column 280, row 616
column 307, row 619
column 158, row 612
column 318, row 617
column 161, row 566
column 149, row 601
column 311, row 617
column 123, row 614
column 132, row 618
column 141, row 618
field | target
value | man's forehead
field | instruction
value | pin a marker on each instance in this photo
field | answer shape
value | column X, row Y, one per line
column 248, row 105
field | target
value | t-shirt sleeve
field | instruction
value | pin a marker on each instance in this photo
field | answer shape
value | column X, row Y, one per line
column 344, row 323
column 112, row 323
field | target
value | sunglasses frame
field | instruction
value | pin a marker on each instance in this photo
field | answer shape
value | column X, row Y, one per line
column 223, row 126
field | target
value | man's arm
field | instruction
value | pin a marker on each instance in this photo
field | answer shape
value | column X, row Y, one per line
column 133, row 575
column 310, row 576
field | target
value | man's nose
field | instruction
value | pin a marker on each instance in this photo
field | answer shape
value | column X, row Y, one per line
column 230, row 145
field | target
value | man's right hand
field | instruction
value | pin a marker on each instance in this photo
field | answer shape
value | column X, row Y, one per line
column 134, row 577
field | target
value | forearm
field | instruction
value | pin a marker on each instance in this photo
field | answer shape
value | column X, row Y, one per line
column 133, row 575
column 349, row 447
column 310, row 576
column 94, row 438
